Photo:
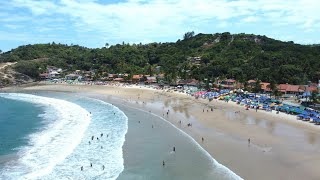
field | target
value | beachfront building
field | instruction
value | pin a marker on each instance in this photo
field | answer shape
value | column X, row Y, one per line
column 228, row 84
column 44, row 76
column 188, row 83
column 151, row 80
column 73, row 77
column 119, row 79
column 265, row 87
column 136, row 78
column 112, row 76
column 289, row 89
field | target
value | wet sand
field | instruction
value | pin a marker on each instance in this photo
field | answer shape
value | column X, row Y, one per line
column 280, row 146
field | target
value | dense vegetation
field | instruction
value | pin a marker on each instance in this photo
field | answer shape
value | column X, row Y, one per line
column 223, row 55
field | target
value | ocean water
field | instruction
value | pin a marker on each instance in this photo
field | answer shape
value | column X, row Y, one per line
column 61, row 146
column 59, row 142
column 17, row 119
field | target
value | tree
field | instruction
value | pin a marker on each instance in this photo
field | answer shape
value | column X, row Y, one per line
column 188, row 35
column 257, row 87
column 314, row 97
column 273, row 87
column 107, row 45
column 0, row 51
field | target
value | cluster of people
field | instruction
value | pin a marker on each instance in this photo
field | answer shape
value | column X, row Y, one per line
column 92, row 139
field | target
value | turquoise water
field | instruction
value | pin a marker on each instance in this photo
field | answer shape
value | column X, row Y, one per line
column 56, row 141
column 18, row 119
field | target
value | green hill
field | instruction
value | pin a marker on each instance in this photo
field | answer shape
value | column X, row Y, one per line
column 224, row 55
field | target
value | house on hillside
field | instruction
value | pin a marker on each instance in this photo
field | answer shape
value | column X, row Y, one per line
column 53, row 72
column 194, row 60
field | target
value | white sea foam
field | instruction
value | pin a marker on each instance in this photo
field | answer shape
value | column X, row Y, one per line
column 60, row 148
column 114, row 127
column 66, row 124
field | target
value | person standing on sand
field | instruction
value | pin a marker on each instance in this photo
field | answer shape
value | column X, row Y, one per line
column 202, row 139
column 174, row 149
column 249, row 141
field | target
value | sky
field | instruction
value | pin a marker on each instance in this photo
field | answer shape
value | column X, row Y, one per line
column 93, row 23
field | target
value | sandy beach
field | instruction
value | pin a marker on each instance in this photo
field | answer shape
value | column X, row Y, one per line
column 281, row 147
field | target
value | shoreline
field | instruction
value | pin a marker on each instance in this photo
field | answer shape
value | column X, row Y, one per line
column 270, row 155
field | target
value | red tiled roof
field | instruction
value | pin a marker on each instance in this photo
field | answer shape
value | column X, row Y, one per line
column 118, row 79
column 230, row 80
column 136, row 76
column 282, row 87
column 43, row 74
column 289, row 88
column 292, row 88
column 311, row 88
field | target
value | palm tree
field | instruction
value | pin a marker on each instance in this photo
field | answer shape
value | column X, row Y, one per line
column 273, row 87
column 257, row 87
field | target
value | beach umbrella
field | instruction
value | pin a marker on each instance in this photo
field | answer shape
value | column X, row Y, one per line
column 306, row 94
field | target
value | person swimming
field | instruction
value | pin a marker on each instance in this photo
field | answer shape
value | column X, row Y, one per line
column 163, row 164
column 90, row 164
column 101, row 134
column 92, row 138
column 81, row 168
column 102, row 167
